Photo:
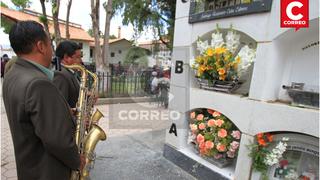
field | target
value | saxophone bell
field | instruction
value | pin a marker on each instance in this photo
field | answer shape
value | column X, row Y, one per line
column 95, row 135
column 97, row 115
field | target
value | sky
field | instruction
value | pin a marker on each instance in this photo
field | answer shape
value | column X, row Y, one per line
column 80, row 14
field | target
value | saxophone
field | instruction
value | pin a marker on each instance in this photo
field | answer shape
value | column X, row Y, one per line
column 97, row 115
column 86, row 139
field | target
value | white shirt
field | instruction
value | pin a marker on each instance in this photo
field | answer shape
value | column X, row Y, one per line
column 154, row 83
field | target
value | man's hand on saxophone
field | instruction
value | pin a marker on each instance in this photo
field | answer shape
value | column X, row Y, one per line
column 82, row 162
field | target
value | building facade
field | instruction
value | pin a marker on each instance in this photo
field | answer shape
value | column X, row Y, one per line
column 118, row 48
column 160, row 54
column 263, row 103
column 77, row 34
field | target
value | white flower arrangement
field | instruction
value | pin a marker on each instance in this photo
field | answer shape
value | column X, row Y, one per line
column 232, row 41
column 275, row 155
column 202, row 46
column 247, row 56
column 223, row 59
column 217, row 40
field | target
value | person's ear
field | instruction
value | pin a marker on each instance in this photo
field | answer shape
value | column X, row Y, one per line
column 66, row 58
column 41, row 47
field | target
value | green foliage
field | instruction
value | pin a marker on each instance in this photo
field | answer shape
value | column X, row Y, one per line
column 6, row 24
column 4, row 5
column 258, row 154
column 208, row 136
column 55, row 7
column 112, row 37
column 143, row 14
column 136, row 56
column 259, row 151
column 21, row 4
column 43, row 19
column 90, row 32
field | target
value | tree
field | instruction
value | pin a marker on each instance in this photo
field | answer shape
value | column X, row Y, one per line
column 55, row 14
column 95, row 28
column 21, row 4
column 6, row 24
column 105, row 51
column 136, row 56
column 142, row 14
column 67, row 19
column 3, row 4
column 44, row 18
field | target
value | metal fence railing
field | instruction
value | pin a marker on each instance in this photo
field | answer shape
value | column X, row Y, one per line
column 124, row 85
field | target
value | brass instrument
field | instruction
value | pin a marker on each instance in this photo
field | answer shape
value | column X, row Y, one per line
column 97, row 115
column 96, row 133
column 85, row 140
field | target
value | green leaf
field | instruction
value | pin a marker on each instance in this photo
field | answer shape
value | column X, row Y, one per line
column 208, row 136
column 21, row 4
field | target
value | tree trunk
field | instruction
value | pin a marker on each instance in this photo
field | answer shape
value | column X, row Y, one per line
column 95, row 28
column 55, row 14
column 45, row 23
column 106, row 50
column 67, row 19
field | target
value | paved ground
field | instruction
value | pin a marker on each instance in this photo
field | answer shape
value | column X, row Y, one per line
column 133, row 149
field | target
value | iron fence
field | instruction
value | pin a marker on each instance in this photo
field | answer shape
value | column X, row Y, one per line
column 137, row 85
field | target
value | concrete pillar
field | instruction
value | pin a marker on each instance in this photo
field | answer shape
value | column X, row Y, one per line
column 244, row 162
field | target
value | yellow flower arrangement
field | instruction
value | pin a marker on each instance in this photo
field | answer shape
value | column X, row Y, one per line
column 219, row 61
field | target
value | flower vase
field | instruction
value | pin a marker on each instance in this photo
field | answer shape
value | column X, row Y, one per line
column 221, row 162
column 217, row 85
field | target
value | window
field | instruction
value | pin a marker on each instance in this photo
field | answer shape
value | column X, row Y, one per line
column 91, row 52
column 112, row 54
column 120, row 51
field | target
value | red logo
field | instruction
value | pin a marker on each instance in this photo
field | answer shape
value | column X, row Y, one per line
column 294, row 14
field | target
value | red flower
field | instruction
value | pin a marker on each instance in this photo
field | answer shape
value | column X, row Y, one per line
column 262, row 142
column 260, row 135
column 210, row 111
column 269, row 137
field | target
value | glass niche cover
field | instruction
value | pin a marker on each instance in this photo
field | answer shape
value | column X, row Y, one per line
column 300, row 162
column 203, row 10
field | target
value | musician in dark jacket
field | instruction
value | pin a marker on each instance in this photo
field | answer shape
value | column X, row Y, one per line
column 66, row 80
column 40, row 121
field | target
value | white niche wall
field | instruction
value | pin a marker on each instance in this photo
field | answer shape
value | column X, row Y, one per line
column 300, row 56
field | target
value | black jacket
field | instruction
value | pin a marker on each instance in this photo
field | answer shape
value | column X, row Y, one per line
column 68, row 85
column 41, row 125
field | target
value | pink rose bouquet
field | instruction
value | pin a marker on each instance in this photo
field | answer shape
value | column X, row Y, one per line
column 213, row 134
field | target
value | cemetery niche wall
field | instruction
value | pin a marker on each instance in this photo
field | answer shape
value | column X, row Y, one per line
column 282, row 57
column 300, row 62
